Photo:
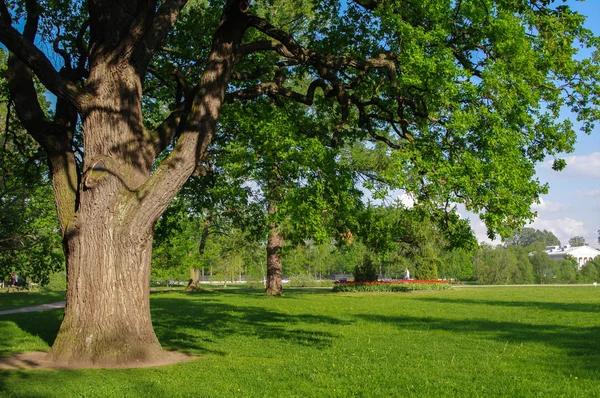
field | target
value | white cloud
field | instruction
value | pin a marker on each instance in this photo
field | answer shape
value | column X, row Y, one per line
column 478, row 227
column 548, row 206
column 406, row 199
column 480, row 231
column 580, row 165
column 564, row 228
column 592, row 194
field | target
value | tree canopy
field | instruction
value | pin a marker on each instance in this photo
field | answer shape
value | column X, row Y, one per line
column 528, row 236
column 577, row 241
column 456, row 100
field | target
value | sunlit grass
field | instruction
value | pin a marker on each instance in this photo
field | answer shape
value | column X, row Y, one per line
column 514, row 341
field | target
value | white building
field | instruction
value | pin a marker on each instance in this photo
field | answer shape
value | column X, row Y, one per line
column 581, row 254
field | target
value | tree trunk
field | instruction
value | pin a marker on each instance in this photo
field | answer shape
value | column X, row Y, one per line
column 108, row 245
column 194, row 282
column 107, row 318
column 274, row 286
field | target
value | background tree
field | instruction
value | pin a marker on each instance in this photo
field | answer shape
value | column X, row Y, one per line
column 544, row 267
column 528, row 236
column 467, row 95
column 456, row 264
column 590, row 271
column 577, row 241
column 495, row 266
column 303, row 188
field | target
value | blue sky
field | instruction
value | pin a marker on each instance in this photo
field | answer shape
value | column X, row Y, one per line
column 572, row 206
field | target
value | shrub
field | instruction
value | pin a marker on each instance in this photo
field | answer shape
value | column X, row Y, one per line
column 366, row 270
column 391, row 286
column 307, row 280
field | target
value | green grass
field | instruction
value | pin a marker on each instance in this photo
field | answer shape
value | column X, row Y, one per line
column 510, row 341
column 19, row 299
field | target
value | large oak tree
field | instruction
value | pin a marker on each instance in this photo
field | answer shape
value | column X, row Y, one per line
column 466, row 94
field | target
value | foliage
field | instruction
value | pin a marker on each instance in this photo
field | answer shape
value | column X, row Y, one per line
column 366, row 271
column 57, row 282
column 501, row 265
column 407, row 238
column 543, row 267
column 577, row 241
column 393, row 286
column 456, row 264
column 566, row 270
column 29, row 235
column 590, row 271
column 307, row 280
column 528, row 236
column 175, row 248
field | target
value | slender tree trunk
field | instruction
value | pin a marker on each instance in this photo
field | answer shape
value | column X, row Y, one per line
column 205, row 232
column 274, row 286
column 194, row 283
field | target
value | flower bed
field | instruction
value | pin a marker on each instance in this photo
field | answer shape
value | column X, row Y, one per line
column 392, row 286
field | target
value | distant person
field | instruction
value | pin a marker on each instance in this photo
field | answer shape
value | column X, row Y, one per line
column 406, row 274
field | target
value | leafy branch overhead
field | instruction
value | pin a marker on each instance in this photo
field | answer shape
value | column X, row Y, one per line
column 471, row 88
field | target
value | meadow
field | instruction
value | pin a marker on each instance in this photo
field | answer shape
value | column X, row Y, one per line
column 472, row 342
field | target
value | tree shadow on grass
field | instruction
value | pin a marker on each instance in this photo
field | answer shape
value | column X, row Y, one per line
column 288, row 292
column 581, row 344
column 42, row 324
column 190, row 325
column 79, row 383
column 539, row 305
column 191, row 322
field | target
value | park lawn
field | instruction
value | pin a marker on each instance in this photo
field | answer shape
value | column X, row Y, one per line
column 507, row 341
column 23, row 298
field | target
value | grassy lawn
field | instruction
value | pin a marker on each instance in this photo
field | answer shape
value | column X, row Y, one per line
column 19, row 299
column 512, row 341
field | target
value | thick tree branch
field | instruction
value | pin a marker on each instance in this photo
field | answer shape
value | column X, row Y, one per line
column 368, row 4
column 165, row 133
column 33, row 57
column 199, row 125
column 52, row 137
column 276, row 88
column 83, row 50
column 162, row 22
column 292, row 49
column 265, row 45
